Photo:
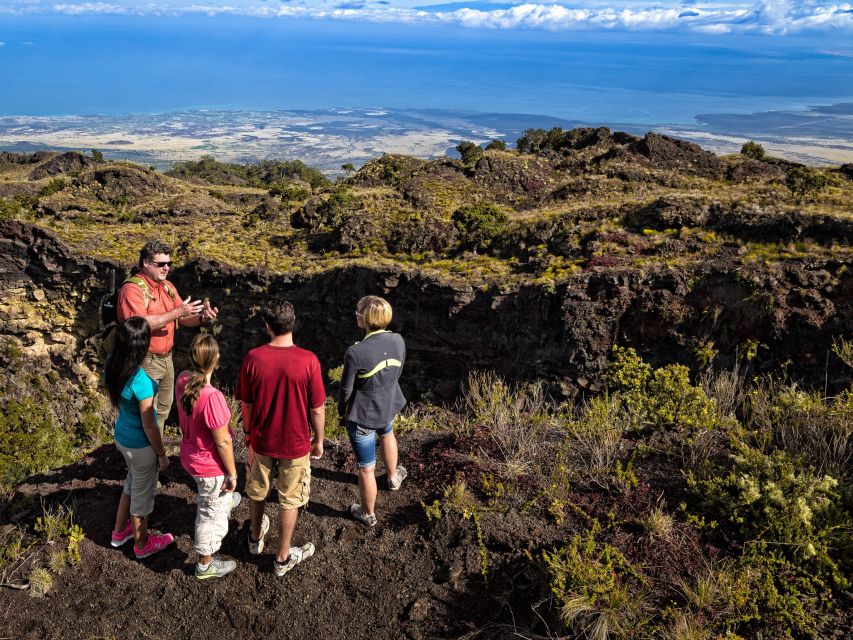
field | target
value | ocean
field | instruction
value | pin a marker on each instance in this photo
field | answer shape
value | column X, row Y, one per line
column 64, row 65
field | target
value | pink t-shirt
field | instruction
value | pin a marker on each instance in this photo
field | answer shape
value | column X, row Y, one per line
column 198, row 449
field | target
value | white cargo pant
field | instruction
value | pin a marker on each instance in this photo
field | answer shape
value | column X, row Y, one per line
column 211, row 520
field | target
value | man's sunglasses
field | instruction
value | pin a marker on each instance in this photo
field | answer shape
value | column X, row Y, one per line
column 160, row 265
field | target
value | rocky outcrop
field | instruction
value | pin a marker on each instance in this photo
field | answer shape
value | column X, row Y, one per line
column 664, row 152
column 122, row 185
column 70, row 162
column 562, row 334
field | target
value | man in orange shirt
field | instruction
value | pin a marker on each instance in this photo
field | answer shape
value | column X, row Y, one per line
column 150, row 294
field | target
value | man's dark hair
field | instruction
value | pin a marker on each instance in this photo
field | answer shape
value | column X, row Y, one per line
column 151, row 249
column 279, row 315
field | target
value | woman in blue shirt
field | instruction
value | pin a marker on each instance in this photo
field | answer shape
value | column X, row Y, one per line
column 137, row 437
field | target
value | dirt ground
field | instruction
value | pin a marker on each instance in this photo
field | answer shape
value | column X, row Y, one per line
column 404, row 578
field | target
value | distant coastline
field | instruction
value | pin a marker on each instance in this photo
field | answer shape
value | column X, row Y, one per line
column 327, row 138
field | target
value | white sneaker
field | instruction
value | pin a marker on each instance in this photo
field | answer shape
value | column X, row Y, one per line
column 297, row 555
column 256, row 547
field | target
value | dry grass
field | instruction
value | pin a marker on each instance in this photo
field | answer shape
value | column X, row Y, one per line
column 810, row 427
column 516, row 420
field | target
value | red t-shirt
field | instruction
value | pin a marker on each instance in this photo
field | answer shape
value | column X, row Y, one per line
column 199, row 455
column 281, row 384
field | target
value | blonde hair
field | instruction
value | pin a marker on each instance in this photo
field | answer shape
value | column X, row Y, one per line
column 376, row 312
column 204, row 356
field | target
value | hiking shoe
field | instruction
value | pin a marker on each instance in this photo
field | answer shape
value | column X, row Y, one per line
column 122, row 536
column 236, row 499
column 256, row 547
column 358, row 514
column 297, row 555
column 401, row 475
column 216, row 569
column 154, row 545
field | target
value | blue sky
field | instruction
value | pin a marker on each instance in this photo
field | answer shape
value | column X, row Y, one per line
column 771, row 17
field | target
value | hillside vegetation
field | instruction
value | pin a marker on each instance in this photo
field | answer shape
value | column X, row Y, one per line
column 631, row 361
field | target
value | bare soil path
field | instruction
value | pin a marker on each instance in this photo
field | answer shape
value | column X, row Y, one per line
column 392, row 581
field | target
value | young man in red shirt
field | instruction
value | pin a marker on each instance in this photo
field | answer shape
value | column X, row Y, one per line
column 148, row 293
column 280, row 389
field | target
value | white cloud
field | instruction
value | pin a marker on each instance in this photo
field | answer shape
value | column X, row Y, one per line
column 712, row 16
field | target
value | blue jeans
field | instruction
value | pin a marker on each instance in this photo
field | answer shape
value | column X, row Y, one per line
column 363, row 440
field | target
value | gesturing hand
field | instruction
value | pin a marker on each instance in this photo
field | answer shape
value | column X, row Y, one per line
column 208, row 313
column 190, row 307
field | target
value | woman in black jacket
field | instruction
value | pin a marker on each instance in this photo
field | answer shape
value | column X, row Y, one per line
column 370, row 399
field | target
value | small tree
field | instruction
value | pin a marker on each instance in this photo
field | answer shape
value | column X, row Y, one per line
column 97, row 156
column 480, row 224
column 496, row 145
column 803, row 181
column 752, row 150
column 348, row 167
column 470, row 152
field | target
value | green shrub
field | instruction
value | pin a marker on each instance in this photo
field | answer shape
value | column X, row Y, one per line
column 53, row 186
column 290, row 191
column 469, row 152
column 338, row 207
column 752, row 150
column 597, row 590
column 480, row 224
column 496, row 145
column 804, row 181
column 660, row 398
column 767, row 498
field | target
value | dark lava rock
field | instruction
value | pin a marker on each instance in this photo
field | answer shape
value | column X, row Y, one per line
column 310, row 215
column 668, row 153
column 7, row 157
column 390, row 170
column 753, row 222
column 505, row 173
column 421, row 234
column 753, row 170
column 669, row 213
column 187, row 205
column 846, row 170
column 69, row 162
column 122, row 185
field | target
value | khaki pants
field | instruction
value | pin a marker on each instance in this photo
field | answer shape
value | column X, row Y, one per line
column 141, row 481
column 161, row 370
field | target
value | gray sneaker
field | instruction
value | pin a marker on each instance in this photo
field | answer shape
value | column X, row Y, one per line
column 297, row 555
column 401, row 475
column 216, row 569
column 256, row 547
column 358, row 514
column 236, row 499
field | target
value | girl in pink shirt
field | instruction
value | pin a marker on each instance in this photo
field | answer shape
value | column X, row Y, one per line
column 207, row 454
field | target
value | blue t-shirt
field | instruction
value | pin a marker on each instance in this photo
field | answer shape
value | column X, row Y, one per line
column 128, row 431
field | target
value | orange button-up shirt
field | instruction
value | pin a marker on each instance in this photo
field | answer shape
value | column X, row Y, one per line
column 131, row 302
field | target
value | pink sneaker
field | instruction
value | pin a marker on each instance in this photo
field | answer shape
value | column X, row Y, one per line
column 122, row 536
column 155, row 544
